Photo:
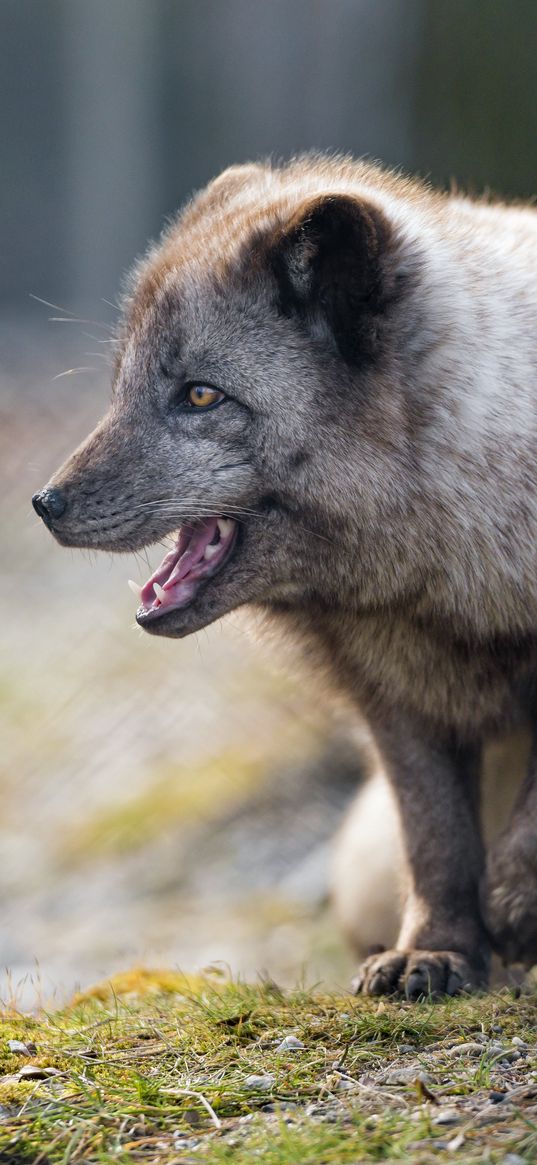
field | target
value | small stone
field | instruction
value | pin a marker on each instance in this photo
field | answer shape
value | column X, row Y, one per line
column 518, row 1043
column 331, row 1117
column 407, row 1076
column 469, row 1049
column 260, row 1083
column 181, row 1141
column 291, row 1044
column 505, row 1056
column 491, row 1114
column 447, row 1116
column 513, row 1159
column 403, row 1049
column 497, row 1097
column 21, row 1049
column 33, row 1072
column 425, row 1078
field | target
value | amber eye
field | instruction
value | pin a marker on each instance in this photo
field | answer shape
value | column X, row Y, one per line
column 202, row 396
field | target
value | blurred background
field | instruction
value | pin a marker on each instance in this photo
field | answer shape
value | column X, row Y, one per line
column 174, row 802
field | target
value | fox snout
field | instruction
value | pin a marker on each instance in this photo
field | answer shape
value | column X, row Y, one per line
column 91, row 500
column 99, row 510
column 84, row 510
column 93, row 511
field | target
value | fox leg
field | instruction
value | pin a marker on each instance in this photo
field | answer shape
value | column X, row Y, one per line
column 442, row 946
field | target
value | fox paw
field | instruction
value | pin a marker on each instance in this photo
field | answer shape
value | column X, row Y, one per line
column 412, row 974
column 509, row 902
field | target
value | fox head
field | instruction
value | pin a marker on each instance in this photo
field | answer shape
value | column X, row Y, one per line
column 253, row 411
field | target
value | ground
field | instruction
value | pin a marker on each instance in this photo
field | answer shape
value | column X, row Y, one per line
column 172, row 1070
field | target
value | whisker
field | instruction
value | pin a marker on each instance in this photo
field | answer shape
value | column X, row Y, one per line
column 79, row 320
column 171, row 505
column 200, row 515
column 73, row 319
column 47, row 303
column 315, row 534
column 141, row 556
column 197, row 511
column 137, row 556
column 72, row 371
column 97, row 339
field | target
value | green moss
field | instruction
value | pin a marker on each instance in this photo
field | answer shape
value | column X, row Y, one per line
column 188, row 793
column 155, row 1067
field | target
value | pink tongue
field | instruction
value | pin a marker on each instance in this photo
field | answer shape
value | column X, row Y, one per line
column 187, row 553
column 191, row 551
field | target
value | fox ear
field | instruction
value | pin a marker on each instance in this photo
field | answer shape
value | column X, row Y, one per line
column 330, row 264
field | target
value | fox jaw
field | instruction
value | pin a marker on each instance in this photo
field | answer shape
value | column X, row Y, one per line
column 249, row 394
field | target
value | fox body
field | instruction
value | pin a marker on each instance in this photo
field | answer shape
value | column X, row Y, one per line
column 325, row 379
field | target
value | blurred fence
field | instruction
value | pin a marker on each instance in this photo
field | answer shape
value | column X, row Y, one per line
column 114, row 111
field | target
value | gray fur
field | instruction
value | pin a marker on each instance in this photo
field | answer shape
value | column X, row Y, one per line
column 377, row 343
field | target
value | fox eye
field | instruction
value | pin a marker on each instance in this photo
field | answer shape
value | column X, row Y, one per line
column 203, row 396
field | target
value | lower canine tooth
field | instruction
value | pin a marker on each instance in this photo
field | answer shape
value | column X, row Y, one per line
column 136, row 590
column 159, row 591
column 209, row 551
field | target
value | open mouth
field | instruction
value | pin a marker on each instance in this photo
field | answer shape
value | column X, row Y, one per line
column 201, row 549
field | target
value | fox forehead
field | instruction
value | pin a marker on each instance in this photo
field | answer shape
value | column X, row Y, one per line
column 212, row 238
column 195, row 331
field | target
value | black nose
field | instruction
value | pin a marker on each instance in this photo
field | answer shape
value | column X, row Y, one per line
column 49, row 504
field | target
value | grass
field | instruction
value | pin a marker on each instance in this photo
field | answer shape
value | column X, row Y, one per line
column 156, row 1068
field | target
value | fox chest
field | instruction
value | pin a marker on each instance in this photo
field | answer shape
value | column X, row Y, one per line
column 467, row 688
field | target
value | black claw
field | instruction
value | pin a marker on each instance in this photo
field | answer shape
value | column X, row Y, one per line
column 435, row 975
column 454, row 984
column 414, row 985
column 378, row 985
